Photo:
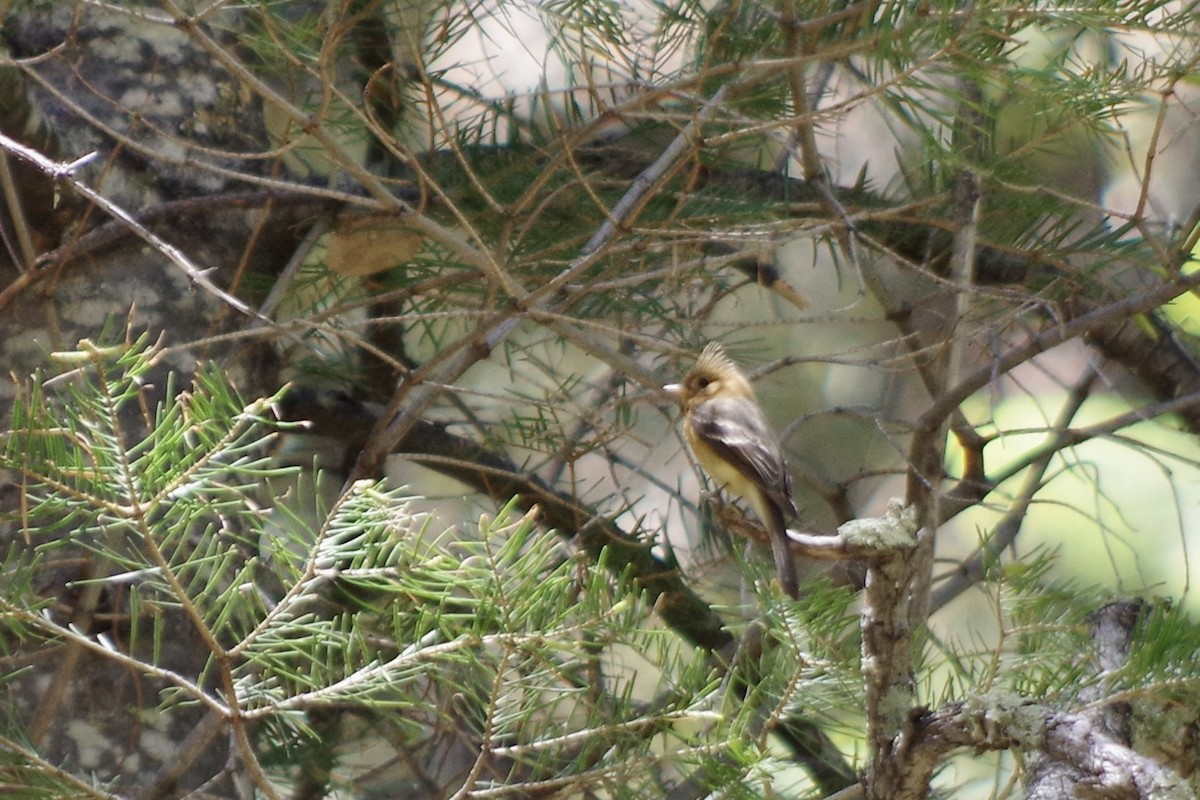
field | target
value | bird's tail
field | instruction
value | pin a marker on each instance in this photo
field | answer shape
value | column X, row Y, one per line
column 785, row 563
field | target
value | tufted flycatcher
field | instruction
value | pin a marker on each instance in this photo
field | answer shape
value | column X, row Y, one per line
column 729, row 435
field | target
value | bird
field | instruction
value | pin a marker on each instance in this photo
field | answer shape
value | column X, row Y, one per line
column 729, row 435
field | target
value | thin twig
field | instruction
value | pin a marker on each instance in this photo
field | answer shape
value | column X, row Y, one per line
column 65, row 173
column 1081, row 325
column 1005, row 532
column 16, row 213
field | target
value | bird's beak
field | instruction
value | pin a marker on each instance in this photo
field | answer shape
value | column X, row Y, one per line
column 673, row 391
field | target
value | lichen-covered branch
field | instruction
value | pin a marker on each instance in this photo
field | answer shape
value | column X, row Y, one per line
column 887, row 651
column 1067, row 755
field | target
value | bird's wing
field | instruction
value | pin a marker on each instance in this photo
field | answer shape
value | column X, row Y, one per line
column 735, row 429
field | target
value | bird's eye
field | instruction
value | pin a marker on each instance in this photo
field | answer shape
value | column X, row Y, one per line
column 702, row 382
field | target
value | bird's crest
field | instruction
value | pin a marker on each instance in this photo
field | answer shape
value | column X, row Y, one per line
column 713, row 359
